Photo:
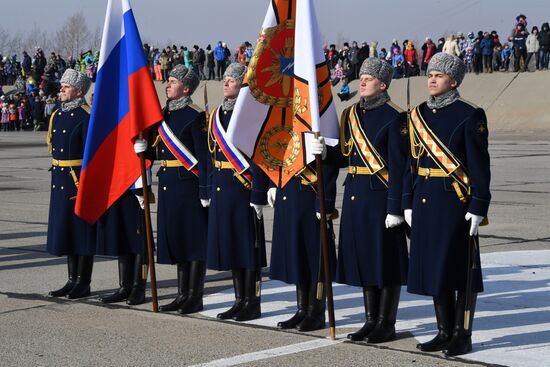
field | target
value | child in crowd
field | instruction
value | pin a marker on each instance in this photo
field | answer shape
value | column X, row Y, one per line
column 505, row 56
column 344, row 90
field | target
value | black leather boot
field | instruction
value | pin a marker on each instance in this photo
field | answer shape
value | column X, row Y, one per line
column 301, row 300
column 125, row 279
column 183, row 288
column 384, row 330
column 444, row 306
column 315, row 317
column 137, row 294
column 461, row 341
column 196, row 289
column 251, row 308
column 81, row 288
column 371, row 299
column 72, row 264
column 238, row 286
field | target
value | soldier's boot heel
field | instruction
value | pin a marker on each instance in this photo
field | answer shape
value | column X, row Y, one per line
column 444, row 305
column 183, row 289
column 238, row 286
column 251, row 309
column 315, row 318
column 384, row 330
column 137, row 294
column 72, row 265
column 371, row 301
column 81, row 288
column 461, row 341
column 196, row 289
column 125, row 279
column 300, row 315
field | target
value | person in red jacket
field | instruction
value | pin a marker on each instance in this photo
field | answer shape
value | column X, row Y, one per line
column 411, row 58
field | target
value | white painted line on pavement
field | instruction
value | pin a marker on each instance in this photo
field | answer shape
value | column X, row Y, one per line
column 272, row 353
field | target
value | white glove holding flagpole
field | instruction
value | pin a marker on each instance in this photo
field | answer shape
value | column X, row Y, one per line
column 409, row 216
column 259, row 210
column 140, row 201
column 393, row 220
column 271, row 194
column 476, row 221
column 140, row 145
column 205, row 203
column 317, row 146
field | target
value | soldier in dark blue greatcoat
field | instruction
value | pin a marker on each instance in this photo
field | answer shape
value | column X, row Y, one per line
column 67, row 234
column 448, row 199
column 237, row 194
column 372, row 251
column 296, row 242
column 182, row 216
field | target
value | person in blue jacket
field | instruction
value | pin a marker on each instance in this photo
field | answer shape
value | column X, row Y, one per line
column 181, row 218
column 372, row 251
column 236, row 200
column 447, row 199
column 296, row 242
column 68, row 235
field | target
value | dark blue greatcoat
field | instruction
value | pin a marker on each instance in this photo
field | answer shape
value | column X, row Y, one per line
column 231, row 233
column 121, row 229
column 182, row 222
column 439, row 234
column 68, row 234
column 296, row 246
column 369, row 254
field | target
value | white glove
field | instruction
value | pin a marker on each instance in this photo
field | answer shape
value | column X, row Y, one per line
column 393, row 220
column 271, row 194
column 409, row 217
column 140, row 201
column 476, row 220
column 259, row 210
column 140, row 145
column 317, row 146
column 205, row 203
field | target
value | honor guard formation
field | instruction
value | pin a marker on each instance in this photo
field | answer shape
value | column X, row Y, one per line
column 421, row 174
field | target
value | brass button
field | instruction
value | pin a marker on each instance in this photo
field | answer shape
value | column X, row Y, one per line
column 225, row 112
column 59, row 113
column 72, row 114
column 53, row 168
column 164, row 188
column 354, row 153
column 424, row 200
column 218, row 189
column 64, row 131
column 353, row 198
column 164, row 168
column 219, row 150
column 53, row 186
column 162, row 150
column 61, row 150
column 62, row 187
column 62, row 168
column 53, row 149
column 434, row 110
column 284, row 197
column 54, row 130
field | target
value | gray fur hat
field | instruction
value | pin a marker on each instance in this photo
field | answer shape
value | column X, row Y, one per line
column 77, row 79
column 186, row 76
column 378, row 68
column 448, row 64
column 236, row 71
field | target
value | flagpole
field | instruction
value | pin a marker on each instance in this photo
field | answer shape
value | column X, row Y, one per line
column 149, row 231
column 324, row 244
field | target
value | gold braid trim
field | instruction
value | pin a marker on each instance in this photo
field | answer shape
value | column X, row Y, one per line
column 345, row 146
column 49, row 135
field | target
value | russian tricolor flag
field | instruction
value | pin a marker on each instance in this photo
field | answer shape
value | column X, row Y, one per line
column 125, row 104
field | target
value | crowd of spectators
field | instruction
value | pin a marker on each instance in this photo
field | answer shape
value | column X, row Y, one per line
column 36, row 79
